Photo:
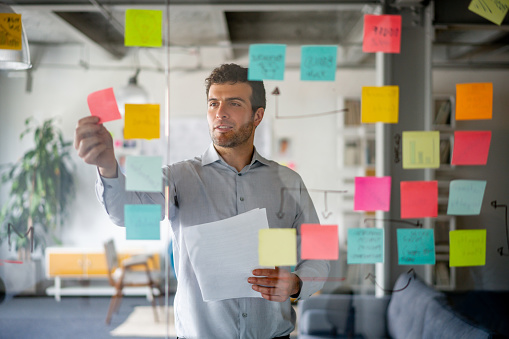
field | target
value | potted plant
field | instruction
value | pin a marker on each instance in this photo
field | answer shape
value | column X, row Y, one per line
column 42, row 187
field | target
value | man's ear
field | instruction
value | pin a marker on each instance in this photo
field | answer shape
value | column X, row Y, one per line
column 258, row 116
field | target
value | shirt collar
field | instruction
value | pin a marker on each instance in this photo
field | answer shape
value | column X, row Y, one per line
column 211, row 156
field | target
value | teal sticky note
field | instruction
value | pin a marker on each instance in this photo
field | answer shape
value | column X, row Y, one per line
column 318, row 63
column 365, row 246
column 142, row 222
column 266, row 62
column 465, row 197
column 143, row 173
column 416, row 247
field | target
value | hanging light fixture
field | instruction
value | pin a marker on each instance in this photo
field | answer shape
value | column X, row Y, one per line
column 15, row 59
column 131, row 94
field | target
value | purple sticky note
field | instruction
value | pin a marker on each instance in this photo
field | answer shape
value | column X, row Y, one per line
column 372, row 193
column 104, row 105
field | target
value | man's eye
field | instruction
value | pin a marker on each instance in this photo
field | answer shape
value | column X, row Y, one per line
column 212, row 104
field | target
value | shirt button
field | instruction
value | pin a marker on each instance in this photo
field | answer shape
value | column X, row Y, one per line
column 240, row 174
column 244, row 315
column 241, row 198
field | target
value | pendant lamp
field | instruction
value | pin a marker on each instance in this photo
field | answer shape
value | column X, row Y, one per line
column 12, row 59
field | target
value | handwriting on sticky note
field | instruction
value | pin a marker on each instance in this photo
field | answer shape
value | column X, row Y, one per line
column 266, row 62
column 471, row 147
column 380, row 104
column 372, row 194
column 277, row 247
column 419, row 199
column 467, row 248
column 319, row 242
column 465, row 197
column 365, row 246
column 143, row 28
column 416, row 246
column 103, row 105
column 142, row 222
column 382, row 33
column 474, row 101
column 10, row 31
column 144, row 173
column 141, row 121
column 318, row 63
column 421, row 149
column 493, row 10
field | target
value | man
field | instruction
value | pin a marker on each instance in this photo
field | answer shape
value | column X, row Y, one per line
column 228, row 179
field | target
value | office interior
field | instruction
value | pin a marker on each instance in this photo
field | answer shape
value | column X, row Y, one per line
column 77, row 47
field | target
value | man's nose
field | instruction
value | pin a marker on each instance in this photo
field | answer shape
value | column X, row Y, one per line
column 221, row 112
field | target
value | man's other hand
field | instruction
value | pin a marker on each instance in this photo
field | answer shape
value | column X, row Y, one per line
column 275, row 284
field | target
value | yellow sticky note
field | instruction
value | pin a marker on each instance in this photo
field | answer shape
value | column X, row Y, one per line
column 143, row 28
column 493, row 10
column 277, row 247
column 380, row 104
column 467, row 248
column 141, row 121
column 10, row 31
column 474, row 101
column 421, row 149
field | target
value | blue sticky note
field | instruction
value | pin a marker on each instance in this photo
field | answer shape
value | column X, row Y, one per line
column 266, row 62
column 365, row 246
column 465, row 197
column 143, row 173
column 142, row 222
column 318, row 63
column 416, row 247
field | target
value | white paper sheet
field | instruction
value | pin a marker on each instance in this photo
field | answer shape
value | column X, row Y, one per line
column 224, row 254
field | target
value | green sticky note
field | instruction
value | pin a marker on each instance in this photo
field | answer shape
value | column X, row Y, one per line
column 421, row 149
column 318, row 63
column 277, row 247
column 365, row 246
column 142, row 222
column 143, row 28
column 416, row 246
column 380, row 104
column 465, row 197
column 467, row 248
column 493, row 10
column 143, row 173
column 266, row 62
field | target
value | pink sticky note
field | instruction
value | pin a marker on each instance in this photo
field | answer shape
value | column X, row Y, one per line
column 372, row 194
column 104, row 105
column 319, row 242
column 419, row 199
column 382, row 33
column 471, row 147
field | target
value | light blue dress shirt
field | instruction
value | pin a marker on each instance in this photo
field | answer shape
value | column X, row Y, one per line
column 207, row 189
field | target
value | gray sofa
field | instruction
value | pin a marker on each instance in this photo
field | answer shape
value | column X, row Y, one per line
column 413, row 311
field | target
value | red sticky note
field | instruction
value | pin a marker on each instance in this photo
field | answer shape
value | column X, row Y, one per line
column 372, row 194
column 471, row 147
column 419, row 199
column 319, row 242
column 104, row 105
column 382, row 33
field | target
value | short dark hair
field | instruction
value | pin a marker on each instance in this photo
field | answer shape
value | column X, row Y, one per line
column 233, row 73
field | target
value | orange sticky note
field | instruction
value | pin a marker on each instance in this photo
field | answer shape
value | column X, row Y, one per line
column 419, row 199
column 141, row 121
column 474, row 101
column 319, row 242
column 10, row 31
column 380, row 104
column 471, row 147
column 382, row 33
column 104, row 105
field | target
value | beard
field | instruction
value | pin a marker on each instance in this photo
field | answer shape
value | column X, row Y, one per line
column 233, row 138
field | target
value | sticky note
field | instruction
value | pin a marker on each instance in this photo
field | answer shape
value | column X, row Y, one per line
column 467, row 248
column 10, row 31
column 318, row 63
column 103, row 105
column 416, row 246
column 143, row 173
column 143, row 28
column 471, row 147
column 419, row 199
column 465, row 197
column 266, row 62
column 474, row 101
column 320, row 242
column 365, row 246
column 277, row 247
column 421, row 149
column 141, row 121
column 493, row 10
column 380, row 104
column 372, row 194
column 142, row 222
column 382, row 33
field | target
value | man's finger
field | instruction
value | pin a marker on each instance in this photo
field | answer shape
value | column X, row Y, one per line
column 262, row 281
column 266, row 272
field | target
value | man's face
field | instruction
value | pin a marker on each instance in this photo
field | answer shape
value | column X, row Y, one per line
column 230, row 116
